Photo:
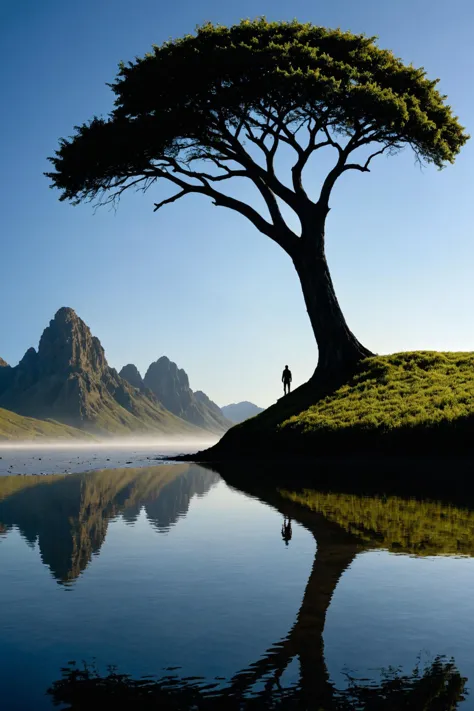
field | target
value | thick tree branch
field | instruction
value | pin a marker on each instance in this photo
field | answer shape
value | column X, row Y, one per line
column 304, row 155
column 282, row 235
column 259, row 175
column 270, row 200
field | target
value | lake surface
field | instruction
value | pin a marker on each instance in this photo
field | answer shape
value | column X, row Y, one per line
column 155, row 567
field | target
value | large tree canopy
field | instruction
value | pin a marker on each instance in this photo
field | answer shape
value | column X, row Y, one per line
column 231, row 98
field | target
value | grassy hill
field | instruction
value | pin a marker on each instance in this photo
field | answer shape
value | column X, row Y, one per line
column 416, row 402
column 16, row 427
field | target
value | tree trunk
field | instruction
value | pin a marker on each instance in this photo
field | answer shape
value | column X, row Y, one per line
column 339, row 349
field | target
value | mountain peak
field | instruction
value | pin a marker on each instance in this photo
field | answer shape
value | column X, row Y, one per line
column 68, row 345
column 3, row 363
column 131, row 374
column 68, row 379
column 65, row 313
column 171, row 386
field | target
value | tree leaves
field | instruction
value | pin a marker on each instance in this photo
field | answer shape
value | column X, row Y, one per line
column 205, row 96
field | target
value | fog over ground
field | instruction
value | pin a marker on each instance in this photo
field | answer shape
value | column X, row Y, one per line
column 20, row 458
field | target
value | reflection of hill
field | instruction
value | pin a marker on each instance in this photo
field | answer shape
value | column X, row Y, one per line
column 343, row 525
column 69, row 515
column 400, row 525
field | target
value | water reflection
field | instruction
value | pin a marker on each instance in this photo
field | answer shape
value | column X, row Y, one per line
column 437, row 687
column 344, row 525
column 68, row 515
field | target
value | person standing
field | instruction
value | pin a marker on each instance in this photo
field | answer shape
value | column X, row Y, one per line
column 286, row 380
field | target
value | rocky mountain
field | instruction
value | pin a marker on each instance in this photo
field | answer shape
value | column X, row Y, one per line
column 4, row 372
column 207, row 402
column 131, row 374
column 240, row 411
column 170, row 385
column 69, row 380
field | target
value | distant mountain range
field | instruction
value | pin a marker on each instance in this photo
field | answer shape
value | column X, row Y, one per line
column 170, row 385
column 68, row 382
column 240, row 411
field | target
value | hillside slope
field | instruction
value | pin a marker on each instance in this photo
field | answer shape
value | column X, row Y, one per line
column 417, row 402
column 16, row 427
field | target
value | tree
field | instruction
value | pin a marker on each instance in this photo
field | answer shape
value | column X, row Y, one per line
column 220, row 105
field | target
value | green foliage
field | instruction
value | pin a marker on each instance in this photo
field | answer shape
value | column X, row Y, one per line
column 404, row 390
column 399, row 525
column 16, row 427
column 202, row 96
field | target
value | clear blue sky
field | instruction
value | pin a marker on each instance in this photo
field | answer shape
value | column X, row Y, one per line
column 198, row 283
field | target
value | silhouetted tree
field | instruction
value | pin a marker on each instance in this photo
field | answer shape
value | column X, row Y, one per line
column 221, row 104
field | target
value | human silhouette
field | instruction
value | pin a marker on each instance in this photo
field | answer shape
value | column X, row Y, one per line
column 286, row 531
column 286, row 380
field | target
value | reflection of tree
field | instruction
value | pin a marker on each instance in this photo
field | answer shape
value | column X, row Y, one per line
column 69, row 515
column 339, row 539
column 335, row 552
column 438, row 687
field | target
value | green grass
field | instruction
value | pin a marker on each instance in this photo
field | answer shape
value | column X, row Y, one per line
column 404, row 390
column 413, row 401
column 17, row 427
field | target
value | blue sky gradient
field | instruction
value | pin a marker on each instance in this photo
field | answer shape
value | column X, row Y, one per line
column 198, row 283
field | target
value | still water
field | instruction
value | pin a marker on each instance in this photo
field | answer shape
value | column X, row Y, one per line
column 165, row 567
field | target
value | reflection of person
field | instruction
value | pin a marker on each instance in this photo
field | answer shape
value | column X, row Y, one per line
column 286, row 531
column 286, row 380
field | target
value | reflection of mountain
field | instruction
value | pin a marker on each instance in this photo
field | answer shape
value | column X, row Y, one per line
column 68, row 515
column 173, row 502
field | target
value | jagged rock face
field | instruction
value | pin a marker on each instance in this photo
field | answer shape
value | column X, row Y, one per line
column 67, row 345
column 170, row 384
column 5, row 375
column 131, row 374
column 68, row 379
column 214, row 409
